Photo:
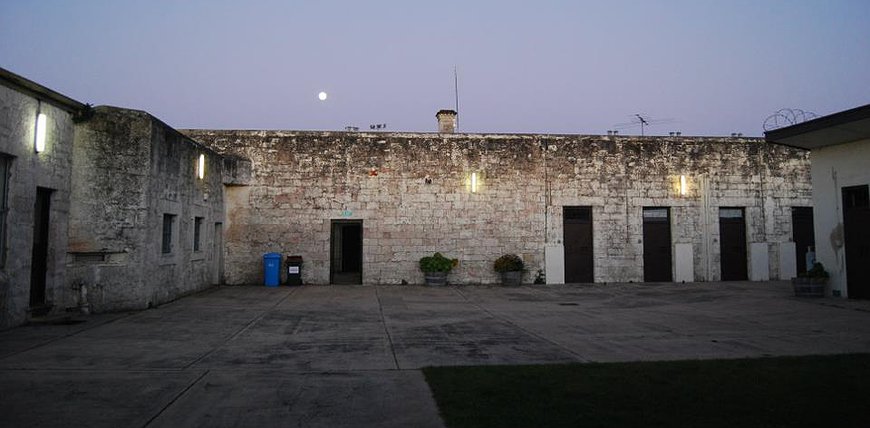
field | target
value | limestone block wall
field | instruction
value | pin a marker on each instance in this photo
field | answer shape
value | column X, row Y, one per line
column 412, row 192
column 129, row 170
column 29, row 170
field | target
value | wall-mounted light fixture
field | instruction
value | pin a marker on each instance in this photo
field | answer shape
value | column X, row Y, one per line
column 684, row 188
column 474, row 181
column 200, row 167
column 39, row 141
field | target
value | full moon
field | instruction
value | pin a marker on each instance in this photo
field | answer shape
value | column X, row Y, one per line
column 322, row 96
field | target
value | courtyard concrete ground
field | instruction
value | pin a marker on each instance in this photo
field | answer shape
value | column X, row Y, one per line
column 343, row 356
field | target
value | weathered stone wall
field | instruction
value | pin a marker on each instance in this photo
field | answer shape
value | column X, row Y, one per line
column 129, row 170
column 49, row 169
column 300, row 181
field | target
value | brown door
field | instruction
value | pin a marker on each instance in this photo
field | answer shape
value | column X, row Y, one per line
column 657, row 245
column 732, row 244
column 39, row 255
column 346, row 252
column 802, row 235
column 856, row 228
column 578, row 244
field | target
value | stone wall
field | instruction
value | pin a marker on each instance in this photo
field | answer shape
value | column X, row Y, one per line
column 129, row 170
column 29, row 170
column 412, row 192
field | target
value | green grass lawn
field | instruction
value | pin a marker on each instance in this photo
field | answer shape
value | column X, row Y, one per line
column 816, row 391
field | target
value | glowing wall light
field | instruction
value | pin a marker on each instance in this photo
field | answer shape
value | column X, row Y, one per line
column 200, row 167
column 473, row 182
column 683, row 187
column 39, row 143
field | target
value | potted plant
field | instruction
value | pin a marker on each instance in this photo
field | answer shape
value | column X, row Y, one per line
column 436, row 267
column 812, row 282
column 510, row 266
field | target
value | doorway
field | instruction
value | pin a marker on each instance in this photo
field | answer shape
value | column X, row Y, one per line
column 732, row 244
column 802, row 235
column 39, row 254
column 577, row 226
column 856, row 229
column 657, row 245
column 346, row 245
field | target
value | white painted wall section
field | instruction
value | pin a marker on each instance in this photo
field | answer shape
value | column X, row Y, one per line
column 759, row 262
column 554, row 263
column 833, row 168
column 787, row 263
column 684, row 266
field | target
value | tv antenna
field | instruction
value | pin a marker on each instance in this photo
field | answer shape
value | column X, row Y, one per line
column 787, row 117
column 642, row 121
column 456, row 95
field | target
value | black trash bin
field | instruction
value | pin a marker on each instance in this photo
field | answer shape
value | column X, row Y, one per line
column 294, row 270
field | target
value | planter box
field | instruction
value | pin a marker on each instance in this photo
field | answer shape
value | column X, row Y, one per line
column 511, row 278
column 435, row 278
column 809, row 287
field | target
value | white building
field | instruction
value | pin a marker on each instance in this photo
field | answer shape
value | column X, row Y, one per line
column 839, row 147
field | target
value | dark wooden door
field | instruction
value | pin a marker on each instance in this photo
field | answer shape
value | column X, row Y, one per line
column 578, row 244
column 802, row 235
column 856, row 228
column 657, row 245
column 346, row 252
column 732, row 244
column 39, row 254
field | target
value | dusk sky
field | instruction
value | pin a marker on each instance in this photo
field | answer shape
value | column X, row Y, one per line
column 576, row 67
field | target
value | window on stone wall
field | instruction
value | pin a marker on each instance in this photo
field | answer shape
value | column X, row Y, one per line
column 168, row 222
column 197, row 233
column 5, row 164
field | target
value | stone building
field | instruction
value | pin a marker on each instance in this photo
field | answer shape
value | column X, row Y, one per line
column 147, row 211
column 36, row 139
column 364, row 207
column 109, row 208
column 102, row 209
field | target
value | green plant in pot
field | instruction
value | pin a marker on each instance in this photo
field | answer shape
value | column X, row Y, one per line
column 436, row 267
column 510, row 266
column 811, row 283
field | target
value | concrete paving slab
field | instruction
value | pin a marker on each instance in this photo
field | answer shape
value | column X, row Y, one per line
column 275, row 398
column 87, row 398
column 31, row 336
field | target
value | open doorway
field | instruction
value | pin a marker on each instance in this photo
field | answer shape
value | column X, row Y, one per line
column 732, row 244
column 802, row 235
column 346, row 245
column 39, row 254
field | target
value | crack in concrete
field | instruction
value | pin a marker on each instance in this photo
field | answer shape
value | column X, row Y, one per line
column 386, row 330
column 176, row 398
column 245, row 328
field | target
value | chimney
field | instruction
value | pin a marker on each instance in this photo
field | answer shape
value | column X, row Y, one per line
column 446, row 121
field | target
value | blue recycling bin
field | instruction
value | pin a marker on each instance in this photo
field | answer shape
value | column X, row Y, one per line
column 272, row 269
